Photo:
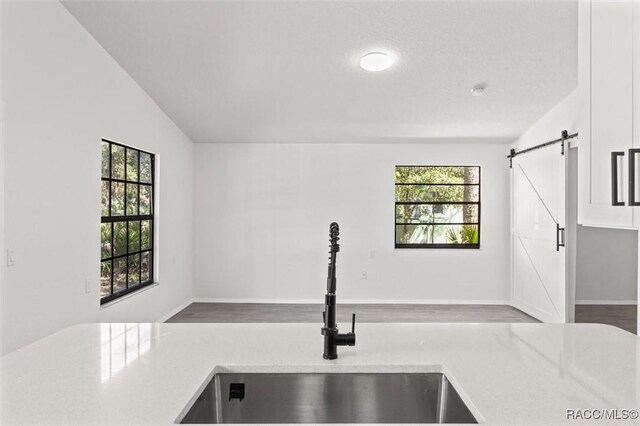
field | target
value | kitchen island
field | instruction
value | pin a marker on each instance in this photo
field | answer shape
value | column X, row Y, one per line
column 148, row 374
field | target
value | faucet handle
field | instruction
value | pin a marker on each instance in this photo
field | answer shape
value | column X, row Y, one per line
column 353, row 323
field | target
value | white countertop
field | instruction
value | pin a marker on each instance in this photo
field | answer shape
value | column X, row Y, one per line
column 511, row 374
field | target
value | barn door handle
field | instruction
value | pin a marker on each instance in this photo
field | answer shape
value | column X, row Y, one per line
column 559, row 237
column 614, row 178
column 632, row 177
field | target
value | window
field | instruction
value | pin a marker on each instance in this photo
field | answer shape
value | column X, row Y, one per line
column 437, row 207
column 126, row 231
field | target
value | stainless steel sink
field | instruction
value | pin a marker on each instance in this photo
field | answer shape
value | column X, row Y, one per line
column 329, row 398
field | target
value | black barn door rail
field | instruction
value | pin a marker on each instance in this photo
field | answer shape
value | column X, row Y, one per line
column 565, row 136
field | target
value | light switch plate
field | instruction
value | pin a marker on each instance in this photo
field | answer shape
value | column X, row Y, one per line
column 11, row 258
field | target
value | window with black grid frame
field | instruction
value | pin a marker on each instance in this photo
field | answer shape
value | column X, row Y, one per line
column 437, row 207
column 126, row 230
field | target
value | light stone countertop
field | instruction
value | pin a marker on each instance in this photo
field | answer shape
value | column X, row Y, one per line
column 145, row 374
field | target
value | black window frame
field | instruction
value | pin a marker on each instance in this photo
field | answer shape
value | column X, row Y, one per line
column 127, row 219
column 473, row 246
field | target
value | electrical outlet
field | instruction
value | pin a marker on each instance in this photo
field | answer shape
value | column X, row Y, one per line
column 364, row 275
column 87, row 286
column 11, row 258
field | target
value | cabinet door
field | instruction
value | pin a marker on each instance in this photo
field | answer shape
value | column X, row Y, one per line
column 605, row 67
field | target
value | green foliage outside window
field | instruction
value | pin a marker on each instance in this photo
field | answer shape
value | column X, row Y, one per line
column 126, row 231
column 437, row 206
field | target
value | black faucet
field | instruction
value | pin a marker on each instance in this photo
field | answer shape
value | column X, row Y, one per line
column 333, row 339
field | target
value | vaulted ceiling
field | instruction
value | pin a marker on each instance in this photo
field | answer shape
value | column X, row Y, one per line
column 287, row 71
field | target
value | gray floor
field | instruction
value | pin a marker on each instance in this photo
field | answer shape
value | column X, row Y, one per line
column 263, row 312
column 622, row 316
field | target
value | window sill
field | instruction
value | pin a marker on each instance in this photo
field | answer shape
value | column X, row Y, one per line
column 127, row 296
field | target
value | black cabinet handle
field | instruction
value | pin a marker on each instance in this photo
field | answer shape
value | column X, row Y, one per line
column 614, row 178
column 559, row 240
column 632, row 177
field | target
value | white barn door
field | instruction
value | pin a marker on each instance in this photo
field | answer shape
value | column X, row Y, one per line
column 538, row 185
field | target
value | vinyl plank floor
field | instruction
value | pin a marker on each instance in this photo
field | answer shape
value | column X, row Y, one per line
column 622, row 316
column 266, row 312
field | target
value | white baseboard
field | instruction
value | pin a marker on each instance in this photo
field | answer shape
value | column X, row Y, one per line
column 175, row 311
column 320, row 300
column 606, row 302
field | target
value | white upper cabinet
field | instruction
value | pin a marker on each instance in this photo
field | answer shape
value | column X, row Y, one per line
column 606, row 128
column 636, row 106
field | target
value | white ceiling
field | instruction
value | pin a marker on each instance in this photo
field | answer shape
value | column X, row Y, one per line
column 287, row 71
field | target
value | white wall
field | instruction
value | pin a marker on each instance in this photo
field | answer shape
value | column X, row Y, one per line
column 62, row 94
column 262, row 214
column 2, row 249
column 561, row 117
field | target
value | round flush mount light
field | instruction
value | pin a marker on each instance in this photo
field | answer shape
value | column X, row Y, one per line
column 375, row 61
column 478, row 90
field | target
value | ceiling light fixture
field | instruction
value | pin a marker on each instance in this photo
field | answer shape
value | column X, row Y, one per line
column 375, row 61
column 478, row 90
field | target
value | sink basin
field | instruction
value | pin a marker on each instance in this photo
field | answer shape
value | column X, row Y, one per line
column 328, row 398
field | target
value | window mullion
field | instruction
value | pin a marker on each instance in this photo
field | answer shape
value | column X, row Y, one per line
column 113, row 266
column 126, row 282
